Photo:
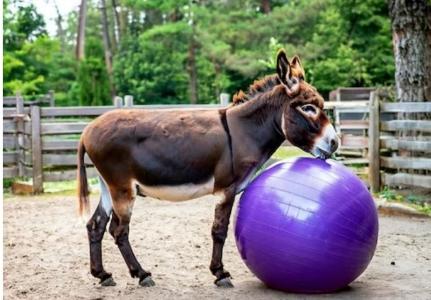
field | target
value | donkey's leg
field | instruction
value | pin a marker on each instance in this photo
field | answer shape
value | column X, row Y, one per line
column 119, row 229
column 219, row 233
column 96, row 227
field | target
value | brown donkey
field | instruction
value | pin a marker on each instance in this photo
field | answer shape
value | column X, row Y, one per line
column 181, row 155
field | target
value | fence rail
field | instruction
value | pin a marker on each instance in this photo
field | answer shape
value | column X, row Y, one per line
column 41, row 142
column 405, row 144
column 17, row 99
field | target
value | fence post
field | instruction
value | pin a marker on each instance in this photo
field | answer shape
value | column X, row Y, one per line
column 36, row 150
column 337, row 114
column 118, row 102
column 19, row 146
column 374, row 144
column 128, row 101
column 51, row 98
column 224, row 99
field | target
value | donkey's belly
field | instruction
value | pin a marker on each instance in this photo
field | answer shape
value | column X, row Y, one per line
column 180, row 192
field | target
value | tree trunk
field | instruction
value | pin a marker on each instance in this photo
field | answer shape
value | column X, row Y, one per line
column 116, row 22
column 411, row 31
column 124, row 21
column 266, row 6
column 411, row 27
column 80, row 40
column 107, row 45
column 60, row 30
column 174, row 16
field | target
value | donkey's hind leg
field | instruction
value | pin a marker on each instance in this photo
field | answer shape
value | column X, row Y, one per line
column 96, row 227
column 123, row 200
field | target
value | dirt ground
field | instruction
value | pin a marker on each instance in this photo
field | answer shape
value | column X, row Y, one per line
column 46, row 255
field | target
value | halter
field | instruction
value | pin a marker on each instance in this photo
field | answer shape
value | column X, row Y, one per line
column 223, row 120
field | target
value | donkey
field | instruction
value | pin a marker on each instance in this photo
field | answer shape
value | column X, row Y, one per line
column 181, row 155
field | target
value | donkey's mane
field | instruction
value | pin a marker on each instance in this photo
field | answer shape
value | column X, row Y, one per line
column 258, row 87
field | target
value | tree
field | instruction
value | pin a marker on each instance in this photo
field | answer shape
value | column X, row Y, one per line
column 153, row 66
column 25, row 68
column 93, row 82
column 107, row 44
column 80, row 38
column 266, row 6
column 411, row 25
column 116, row 23
column 60, row 30
column 191, row 59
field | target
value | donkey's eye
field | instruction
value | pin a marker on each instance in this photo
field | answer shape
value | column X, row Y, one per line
column 309, row 109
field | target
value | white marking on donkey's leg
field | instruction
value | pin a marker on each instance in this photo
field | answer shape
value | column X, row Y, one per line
column 178, row 192
column 105, row 197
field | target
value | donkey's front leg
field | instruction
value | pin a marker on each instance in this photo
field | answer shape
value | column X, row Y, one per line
column 219, row 233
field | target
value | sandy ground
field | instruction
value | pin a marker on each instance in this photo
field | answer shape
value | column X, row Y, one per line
column 46, row 256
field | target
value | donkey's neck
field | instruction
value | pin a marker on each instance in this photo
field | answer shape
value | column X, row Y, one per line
column 256, row 124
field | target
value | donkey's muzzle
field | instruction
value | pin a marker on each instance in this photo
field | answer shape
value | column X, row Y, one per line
column 326, row 144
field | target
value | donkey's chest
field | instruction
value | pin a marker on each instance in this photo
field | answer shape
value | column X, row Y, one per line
column 181, row 192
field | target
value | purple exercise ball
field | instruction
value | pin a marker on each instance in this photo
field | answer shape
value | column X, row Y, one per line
column 306, row 226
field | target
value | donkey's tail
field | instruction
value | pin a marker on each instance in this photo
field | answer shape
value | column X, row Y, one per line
column 83, row 192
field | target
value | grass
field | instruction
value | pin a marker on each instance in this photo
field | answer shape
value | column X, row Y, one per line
column 61, row 187
column 289, row 152
column 68, row 186
column 418, row 202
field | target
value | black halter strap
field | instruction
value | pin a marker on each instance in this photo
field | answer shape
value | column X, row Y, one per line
column 223, row 120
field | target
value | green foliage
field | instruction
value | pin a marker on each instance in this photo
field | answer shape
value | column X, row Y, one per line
column 23, row 25
column 425, row 208
column 93, row 81
column 24, row 41
column 390, row 195
column 289, row 152
column 33, row 62
column 341, row 43
column 150, row 73
column 351, row 45
column 416, row 201
column 7, row 183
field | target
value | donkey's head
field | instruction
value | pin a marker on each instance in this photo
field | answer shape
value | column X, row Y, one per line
column 304, row 123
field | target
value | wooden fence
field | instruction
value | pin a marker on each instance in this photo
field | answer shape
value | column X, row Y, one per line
column 41, row 142
column 404, row 145
column 351, row 122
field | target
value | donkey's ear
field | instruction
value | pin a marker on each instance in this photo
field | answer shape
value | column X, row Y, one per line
column 295, row 64
column 283, row 67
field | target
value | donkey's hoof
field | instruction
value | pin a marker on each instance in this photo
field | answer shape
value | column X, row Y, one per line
column 147, row 282
column 108, row 282
column 224, row 283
